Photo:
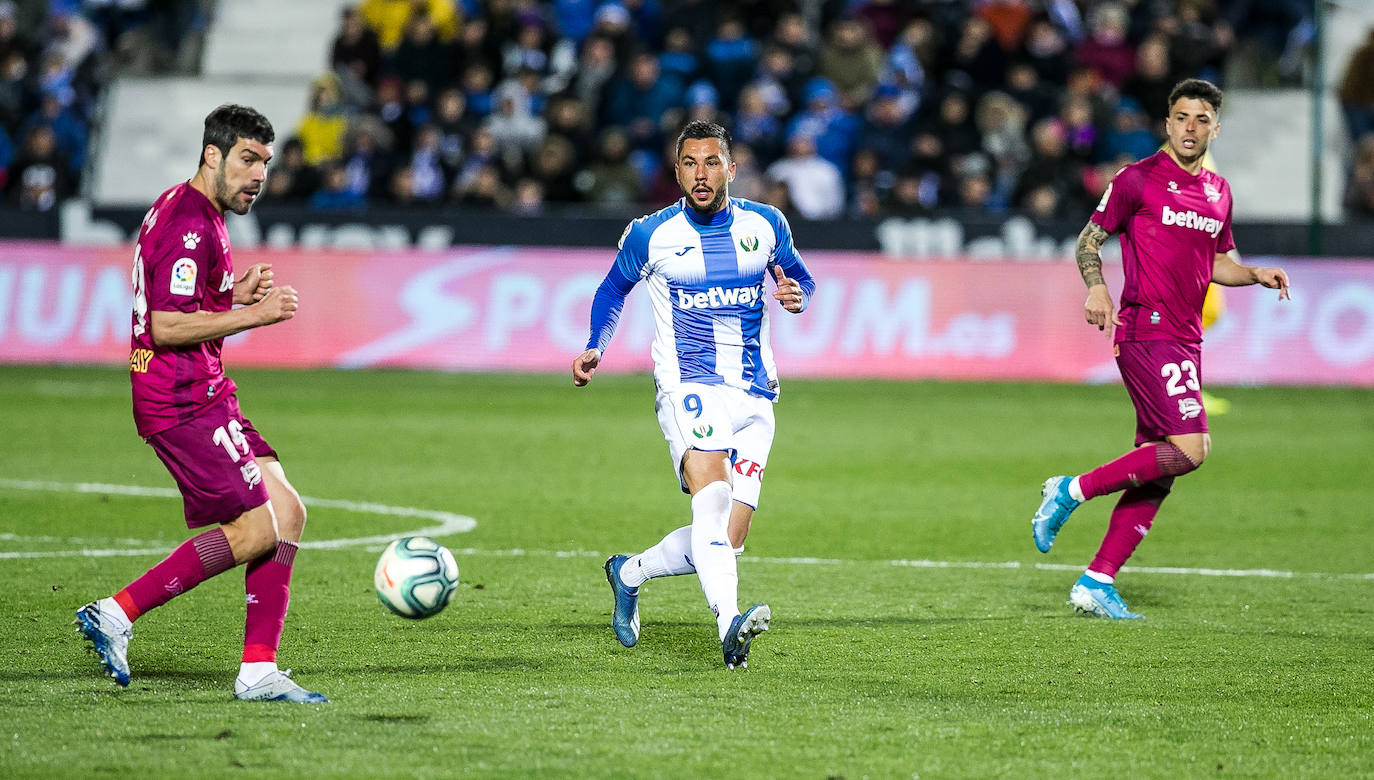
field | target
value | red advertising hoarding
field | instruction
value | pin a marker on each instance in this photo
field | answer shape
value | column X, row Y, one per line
column 526, row 309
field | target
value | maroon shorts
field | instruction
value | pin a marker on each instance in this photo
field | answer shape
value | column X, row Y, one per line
column 213, row 459
column 1164, row 379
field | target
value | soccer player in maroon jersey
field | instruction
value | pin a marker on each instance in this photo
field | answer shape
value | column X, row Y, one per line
column 186, row 408
column 1174, row 217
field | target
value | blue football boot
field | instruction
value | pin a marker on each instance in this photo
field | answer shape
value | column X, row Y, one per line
column 1055, row 507
column 742, row 631
column 625, row 614
column 1099, row 599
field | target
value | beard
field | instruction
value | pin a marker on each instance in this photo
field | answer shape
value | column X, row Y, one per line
column 228, row 199
column 710, row 208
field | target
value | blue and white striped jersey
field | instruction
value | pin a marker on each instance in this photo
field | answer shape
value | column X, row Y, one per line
column 706, row 281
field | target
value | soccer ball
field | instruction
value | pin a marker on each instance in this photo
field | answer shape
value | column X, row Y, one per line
column 416, row 577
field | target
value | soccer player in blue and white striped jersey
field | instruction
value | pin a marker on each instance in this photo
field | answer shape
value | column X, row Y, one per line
column 705, row 260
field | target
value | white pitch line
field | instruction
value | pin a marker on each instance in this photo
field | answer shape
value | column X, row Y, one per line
column 453, row 523
column 449, row 523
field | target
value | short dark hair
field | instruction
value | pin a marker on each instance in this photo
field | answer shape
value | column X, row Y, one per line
column 227, row 124
column 1200, row 89
column 698, row 129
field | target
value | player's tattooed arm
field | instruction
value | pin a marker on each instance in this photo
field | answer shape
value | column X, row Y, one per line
column 1098, row 308
column 1089, row 253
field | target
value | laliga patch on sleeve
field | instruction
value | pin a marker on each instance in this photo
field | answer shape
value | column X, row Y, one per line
column 183, row 277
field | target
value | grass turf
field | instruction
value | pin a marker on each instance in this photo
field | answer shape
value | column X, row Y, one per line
column 892, row 651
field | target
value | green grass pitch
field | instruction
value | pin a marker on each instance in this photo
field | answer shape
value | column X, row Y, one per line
column 893, row 653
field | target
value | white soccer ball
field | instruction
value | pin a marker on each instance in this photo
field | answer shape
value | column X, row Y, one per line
column 416, row 577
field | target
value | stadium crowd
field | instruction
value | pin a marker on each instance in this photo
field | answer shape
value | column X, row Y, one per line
column 840, row 108
column 55, row 57
column 872, row 107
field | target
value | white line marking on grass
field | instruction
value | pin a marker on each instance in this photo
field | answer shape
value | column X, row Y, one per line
column 449, row 523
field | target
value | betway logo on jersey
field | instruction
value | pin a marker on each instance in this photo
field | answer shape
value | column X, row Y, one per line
column 718, row 297
column 1191, row 219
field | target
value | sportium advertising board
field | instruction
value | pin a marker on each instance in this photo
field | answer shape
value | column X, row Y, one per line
column 527, row 309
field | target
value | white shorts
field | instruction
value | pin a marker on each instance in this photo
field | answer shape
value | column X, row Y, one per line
column 718, row 418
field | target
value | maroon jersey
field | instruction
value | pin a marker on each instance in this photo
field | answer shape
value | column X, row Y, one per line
column 1172, row 225
column 181, row 263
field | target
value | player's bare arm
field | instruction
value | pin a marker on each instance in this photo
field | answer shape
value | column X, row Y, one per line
column 182, row 329
column 789, row 292
column 1227, row 270
column 1098, row 309
column 254, row 284
column 584, row 366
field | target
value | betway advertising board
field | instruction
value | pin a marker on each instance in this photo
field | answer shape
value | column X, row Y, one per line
column 527, row 309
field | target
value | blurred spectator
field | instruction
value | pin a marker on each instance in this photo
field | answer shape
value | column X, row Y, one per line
column 454, row 126
column 596, row 67
column 388, row 18
column 730, row 59
column 421, row 56
column 867, row 184
column 1128, row 135
column 1009, row 20
column 679, row 58
column 756, row 126
column 1273, row 35
column 1152, row 81
column 1197, row 40
column 528, row 200
column 14, row 93
column 1001, row 121
column 1359, row 191
column 611, row 180
column 356, row 48
column 749, row 179
column 517, row 132
column 886, row 132
column 908, row 62
column 885, row 19
column 568, row 118
column 1051, row 167
column 1082, row 131
column 1047, row 50
column 697, row 17
column 852, row 61
column 291, row 179
column 429, row 175
column 1356, row 90
column 483, row 189
column 832, row 129
column 334, row 194
column 1026, row 88
column 815, row 186
column 977, row 55
column 477, row 82
column 1107, row 49
column 796, row 36
column 367, row 165
column 640, row 99
column 322, row 128
column 39, row 176
column 554, row 169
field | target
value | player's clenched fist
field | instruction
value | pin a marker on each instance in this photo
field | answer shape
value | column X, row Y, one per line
column 584, row 366
column 279, row 303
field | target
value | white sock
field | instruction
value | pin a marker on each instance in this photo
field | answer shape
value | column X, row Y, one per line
column 670, row 557
column 713, row 554
column 253, row 672
column 1076, row 490
column 739, row 551
column 1105, row 579
column 108, row 606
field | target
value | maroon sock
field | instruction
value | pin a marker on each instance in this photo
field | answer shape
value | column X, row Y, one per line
column 1140, row 466
column 1131, row 520
column 268, row 588
column 195, row 561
